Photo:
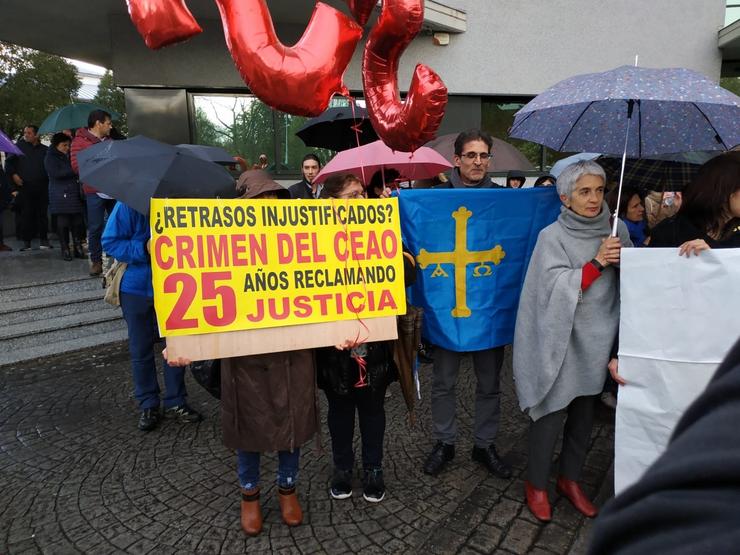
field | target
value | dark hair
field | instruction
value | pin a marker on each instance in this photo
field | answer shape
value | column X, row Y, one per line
column 706, row 198
column 541, row 179
column 627, row 194
column 376, row 180
column 32, row 126
column 311, row 156
column 472, row 135
column 116, row 135
column 97, row 116
column 59, row 138
column 335, row 184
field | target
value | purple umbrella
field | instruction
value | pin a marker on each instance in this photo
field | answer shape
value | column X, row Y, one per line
column 632, row 111
column 6, row 145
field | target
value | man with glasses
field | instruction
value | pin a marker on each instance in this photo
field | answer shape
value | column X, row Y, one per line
column 472, row 158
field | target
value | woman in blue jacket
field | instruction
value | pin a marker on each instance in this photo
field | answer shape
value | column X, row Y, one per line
column 64, row 195
column 126, row 238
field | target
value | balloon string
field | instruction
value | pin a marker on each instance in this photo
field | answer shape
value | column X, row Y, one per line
column 358, row 341
column 357, row 130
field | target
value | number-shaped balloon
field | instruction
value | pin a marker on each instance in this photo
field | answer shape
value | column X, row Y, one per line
column 300, row 79
column 406, row 125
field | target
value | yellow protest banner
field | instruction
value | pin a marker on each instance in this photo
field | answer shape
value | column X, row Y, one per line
column 227, row 265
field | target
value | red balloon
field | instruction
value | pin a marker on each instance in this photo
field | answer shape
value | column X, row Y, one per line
column 162, row 22
column 300, row 79
column 361, row 9
column 407, row 125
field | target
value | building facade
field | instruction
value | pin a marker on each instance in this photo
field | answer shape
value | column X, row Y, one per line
column 493, row 55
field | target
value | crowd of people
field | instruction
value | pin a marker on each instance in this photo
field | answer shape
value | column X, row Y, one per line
column 43, row 181
column 564, row 350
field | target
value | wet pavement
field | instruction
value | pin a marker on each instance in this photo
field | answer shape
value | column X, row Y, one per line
column 77, row 476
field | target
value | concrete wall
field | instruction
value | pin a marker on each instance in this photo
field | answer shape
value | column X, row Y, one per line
column 510, row 47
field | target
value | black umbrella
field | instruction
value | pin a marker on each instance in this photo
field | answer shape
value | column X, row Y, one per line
column 338, row 129
column 138, row 169
column 214, row 154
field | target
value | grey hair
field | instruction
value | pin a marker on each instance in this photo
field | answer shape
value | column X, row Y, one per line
column 567, row 179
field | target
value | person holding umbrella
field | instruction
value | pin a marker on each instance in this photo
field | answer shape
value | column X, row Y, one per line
column 565, row 332
column 98, row 129
column 126, row 238
column 306, row 188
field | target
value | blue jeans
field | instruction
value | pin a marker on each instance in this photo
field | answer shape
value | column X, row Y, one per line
column 97, row 208
column 139, row 314
column 248, row 467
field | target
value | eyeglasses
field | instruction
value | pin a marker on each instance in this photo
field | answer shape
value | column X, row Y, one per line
column 484, row 156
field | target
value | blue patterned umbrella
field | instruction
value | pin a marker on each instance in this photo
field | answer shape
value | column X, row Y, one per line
column 672, row 110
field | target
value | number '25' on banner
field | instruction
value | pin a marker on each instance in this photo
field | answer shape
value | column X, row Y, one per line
column 227, row 265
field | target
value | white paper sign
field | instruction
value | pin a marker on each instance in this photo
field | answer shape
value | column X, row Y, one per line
column 679, row 318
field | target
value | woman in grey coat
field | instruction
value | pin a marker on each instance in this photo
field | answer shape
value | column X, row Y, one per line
column 565, row 331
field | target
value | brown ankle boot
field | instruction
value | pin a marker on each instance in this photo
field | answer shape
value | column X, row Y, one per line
column 251, row 512
column 289, row 507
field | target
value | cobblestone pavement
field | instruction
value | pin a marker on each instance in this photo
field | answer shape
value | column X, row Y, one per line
column 76, row 476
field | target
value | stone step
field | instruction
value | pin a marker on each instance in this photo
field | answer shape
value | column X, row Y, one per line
column 43, row 308
column 66, row 346
column 48, row 288
column 28, row 335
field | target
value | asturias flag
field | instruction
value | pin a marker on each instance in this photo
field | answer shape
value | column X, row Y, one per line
column 472, row 249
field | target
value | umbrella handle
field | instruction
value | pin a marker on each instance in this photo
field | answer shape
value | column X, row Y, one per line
column 615, row 222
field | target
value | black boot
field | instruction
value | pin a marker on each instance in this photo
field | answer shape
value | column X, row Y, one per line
column 438, row 458
column 78, row 252
column 66, row 255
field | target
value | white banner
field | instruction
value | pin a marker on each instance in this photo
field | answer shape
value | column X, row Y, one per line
column 679, row 318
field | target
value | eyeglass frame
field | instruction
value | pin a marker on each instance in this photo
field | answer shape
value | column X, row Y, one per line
column 484, row 156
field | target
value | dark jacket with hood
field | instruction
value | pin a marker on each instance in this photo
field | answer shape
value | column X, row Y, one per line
column 84, row 139
column 268, row 401
column 64, row 189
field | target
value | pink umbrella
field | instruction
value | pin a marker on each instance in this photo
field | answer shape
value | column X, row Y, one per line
column 365, row 160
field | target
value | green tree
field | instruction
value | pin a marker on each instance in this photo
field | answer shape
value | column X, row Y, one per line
column 731, row 84
column 32, row 85
column 111, row 96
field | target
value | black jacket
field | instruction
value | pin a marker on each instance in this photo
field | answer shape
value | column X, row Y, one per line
column 688, row 502
column 302, row 190
column 30, row 166
column 675, row 231
column 64, row 189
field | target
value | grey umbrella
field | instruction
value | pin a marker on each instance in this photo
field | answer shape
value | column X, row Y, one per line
column 632, row 111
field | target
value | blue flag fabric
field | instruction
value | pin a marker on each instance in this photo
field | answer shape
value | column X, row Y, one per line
column 472, row 249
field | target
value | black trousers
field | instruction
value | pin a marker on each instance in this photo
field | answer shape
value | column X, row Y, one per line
column 341, row 419
column 543, row 433
column 69, row 224
column 34, row 206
